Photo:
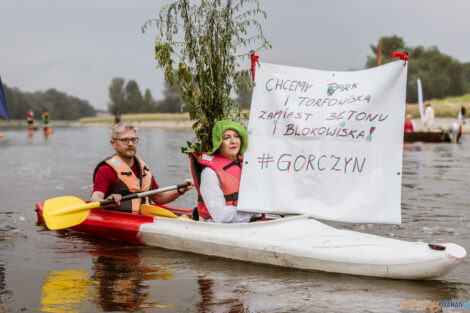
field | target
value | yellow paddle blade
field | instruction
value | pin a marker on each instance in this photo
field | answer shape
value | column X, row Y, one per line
column 64, row 212
column 152, row 210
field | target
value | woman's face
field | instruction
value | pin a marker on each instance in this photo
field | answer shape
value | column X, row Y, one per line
column 231, row 143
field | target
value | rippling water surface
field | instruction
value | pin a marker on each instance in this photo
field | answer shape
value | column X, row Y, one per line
column 61, row 271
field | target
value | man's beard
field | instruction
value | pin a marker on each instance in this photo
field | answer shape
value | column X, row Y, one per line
column 129, row 154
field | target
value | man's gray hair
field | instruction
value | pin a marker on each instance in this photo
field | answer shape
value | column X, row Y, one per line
column 122, row 127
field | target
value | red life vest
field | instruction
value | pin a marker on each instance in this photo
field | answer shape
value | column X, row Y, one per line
column 128, row 183
column 229, row 173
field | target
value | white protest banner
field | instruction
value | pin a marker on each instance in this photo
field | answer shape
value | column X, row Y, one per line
column 327, row 144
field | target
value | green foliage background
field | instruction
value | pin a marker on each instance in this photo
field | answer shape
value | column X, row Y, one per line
column 198, row 46
column 127, row 98
column 441, row 75
column 60, row 105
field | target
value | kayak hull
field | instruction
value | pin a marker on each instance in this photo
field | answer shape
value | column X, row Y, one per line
column 312, row 246
column 297, row 242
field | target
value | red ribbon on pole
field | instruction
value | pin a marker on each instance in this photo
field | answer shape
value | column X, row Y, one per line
column 401, row 55
column 254, row 60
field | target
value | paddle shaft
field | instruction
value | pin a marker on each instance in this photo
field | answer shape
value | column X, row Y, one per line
column 93, row 205
column 145, row 193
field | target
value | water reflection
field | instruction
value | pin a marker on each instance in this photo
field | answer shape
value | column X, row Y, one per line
column 435, row 198
column 211, row 291
column 45, row 140
column 4, row 245
column 37, row 137
column 3, row 289
column 121, row 281
column 65, row 291
column 30, row 137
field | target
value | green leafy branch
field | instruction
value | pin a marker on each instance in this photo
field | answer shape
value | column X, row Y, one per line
column 198, row 47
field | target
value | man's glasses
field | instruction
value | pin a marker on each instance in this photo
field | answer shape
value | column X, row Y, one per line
column 128, row 140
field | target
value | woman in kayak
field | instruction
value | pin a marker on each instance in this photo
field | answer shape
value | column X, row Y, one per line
column 220, row 179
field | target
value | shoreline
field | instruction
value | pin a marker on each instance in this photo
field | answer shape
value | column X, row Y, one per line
column 442, row 123
column 172, row 125
column 186, row 125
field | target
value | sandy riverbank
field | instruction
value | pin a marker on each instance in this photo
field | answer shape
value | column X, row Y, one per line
column 442, row 123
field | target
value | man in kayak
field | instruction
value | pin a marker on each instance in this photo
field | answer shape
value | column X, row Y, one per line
column 126, row 173
column 220, row 179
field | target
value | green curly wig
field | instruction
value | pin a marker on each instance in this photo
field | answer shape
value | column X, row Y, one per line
column 220, row 127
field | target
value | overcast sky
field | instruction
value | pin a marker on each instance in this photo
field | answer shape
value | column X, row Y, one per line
column 78, row 46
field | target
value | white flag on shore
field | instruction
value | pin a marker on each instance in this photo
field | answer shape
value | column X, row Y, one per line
column 327, row 144
column 420, row 102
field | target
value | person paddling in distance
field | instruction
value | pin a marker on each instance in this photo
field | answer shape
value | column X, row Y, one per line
column 45, row 121
column 220, row 179
column 125, row 173
column 30, row 120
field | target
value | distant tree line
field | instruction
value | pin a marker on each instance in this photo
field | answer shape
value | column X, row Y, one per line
column 60, row 105
column 441, row 75
column 127, row 98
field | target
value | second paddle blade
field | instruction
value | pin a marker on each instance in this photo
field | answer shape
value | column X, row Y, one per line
column 152, row 210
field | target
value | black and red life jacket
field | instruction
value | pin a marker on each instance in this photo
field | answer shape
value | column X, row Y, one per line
column 128, row 182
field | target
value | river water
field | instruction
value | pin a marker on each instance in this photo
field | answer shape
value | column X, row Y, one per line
column 62, row 271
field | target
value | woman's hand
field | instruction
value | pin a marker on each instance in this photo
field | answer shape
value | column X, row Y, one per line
column 191, row 185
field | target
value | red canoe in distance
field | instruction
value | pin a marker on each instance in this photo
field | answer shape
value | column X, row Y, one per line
column 427, row 137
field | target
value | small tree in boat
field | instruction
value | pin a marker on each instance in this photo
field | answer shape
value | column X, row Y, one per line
column 198, row 47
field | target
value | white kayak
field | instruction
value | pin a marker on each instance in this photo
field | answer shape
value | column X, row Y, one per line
column 304, row 243
column 296, row 242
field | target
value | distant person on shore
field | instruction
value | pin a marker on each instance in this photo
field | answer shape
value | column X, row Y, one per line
column 125, row 173
column 30, row 120
column 463, row 111
column 117, row 118
column 429, row 123
column 409, row 128
column 460, row 122
column 45, row 121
